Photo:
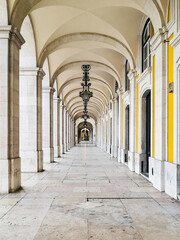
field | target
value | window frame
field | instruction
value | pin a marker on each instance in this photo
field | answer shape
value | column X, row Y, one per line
column 146, row 43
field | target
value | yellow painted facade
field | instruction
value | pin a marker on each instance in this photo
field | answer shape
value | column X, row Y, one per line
column 154, row 71
column 170, row 102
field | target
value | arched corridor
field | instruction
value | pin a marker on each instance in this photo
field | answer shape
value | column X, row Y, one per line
column 88, row 195
column 90, row 86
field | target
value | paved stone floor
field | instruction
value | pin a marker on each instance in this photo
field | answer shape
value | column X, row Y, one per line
column 88, row 195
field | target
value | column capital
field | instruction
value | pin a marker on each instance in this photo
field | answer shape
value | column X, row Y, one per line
column 132, row 74
column 41, row 73
column 120, row 92
column 52, row 90
column 10, row 32
column 15, row 36
column 115, row 97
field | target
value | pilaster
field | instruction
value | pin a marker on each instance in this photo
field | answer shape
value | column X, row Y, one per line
column 56, row 130
column 10, row 162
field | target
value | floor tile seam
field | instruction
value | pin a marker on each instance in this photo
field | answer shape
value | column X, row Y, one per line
column 11, row 208
column 135, row 225
column 166, row 210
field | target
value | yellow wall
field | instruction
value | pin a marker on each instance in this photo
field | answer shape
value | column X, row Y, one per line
column 137, row 122
column 154, row 70
column 170, row 103
column 123, row 124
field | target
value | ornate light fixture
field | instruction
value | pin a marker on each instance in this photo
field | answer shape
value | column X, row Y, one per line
column 85, row 117
column 85, row 94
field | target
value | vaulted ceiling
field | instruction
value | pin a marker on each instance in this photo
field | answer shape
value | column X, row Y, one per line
column 102, row 33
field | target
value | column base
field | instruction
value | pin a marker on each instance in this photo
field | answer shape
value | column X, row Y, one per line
column 108, row 149
column 112, row 151
column 40, row 155
column 123, row 155
column 48, row 155
column 119, row 155
column 157, row 173
column 104, row 147
column 10, row 175
column 62, row 148
column 115, row 151
column 65, row 148
column 131, row 161
column 57, row 151
column 172, row 179
column 139, row 158
column 31, row 161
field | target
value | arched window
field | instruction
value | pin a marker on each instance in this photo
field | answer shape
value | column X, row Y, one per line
column 127, row 82
column 146, row 53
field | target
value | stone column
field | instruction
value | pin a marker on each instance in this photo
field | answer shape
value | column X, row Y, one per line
column 159, row 95
column 116, row 126
column 31, row 129
column 65, row 130
column 48, row 124
column 10, row 163
column 40, row 76
column 132, row 146
column 69, row 132
column 56, row 108
column 62, row 127
column 108, row 133
column 120, row 126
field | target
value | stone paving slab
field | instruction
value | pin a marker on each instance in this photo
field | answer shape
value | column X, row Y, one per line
column 87, row 195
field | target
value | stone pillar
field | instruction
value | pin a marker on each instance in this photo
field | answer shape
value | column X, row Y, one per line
column 48, row 148
column 40, row 76
column 132, row 146
column 159, row 95
column 56, row 108
column 114, row 152
column 10, row 163
column 108, row 133
column 116, row 126
column 120, row 126
column 62, row 127
column 65, row 130
column 31, row 129
column 69, row 132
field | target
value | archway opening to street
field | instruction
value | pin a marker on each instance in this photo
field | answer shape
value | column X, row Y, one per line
column 85, row 133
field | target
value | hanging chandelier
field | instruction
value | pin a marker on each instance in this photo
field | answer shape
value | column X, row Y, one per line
column 85, row 94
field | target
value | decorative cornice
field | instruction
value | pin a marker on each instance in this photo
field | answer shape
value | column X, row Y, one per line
column 28, row 71
column 125, row 94
column 50, row 90
column 144, row 75
column 158, row 38
column 132, row 74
